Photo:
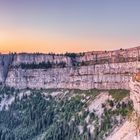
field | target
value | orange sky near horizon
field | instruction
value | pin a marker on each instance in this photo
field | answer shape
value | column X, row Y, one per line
column 44, row 42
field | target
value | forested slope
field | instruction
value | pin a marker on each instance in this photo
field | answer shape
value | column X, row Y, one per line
column 61, row 114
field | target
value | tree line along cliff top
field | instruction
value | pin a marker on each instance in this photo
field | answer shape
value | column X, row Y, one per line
column 37, row 60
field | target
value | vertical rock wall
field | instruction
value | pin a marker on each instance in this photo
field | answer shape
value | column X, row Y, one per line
column 135, row 91
column 102, row 70
column 5, row 62
column 104, row 76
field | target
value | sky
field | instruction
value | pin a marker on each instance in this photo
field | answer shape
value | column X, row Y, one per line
column 61, row 26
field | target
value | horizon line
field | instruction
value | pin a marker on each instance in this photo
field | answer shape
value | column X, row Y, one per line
column 22, row 52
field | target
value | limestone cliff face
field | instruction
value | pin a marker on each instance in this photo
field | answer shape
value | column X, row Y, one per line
column 5, row 61
column 105, row 76
column 130, row 130
column 135, row 92
column 102, row 70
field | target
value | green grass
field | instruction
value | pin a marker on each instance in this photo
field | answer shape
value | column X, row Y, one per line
column 119, row 94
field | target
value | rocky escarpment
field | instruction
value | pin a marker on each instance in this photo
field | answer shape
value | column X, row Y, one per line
column 130, row 129
column 5, row 62
column 102, row 70
column 105, row 76
column 135, row 92
column 135, row 97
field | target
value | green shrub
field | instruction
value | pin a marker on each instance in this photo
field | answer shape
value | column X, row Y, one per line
column 119, row 94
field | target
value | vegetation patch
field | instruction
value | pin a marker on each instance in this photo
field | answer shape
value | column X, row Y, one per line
column 119, row 94
column 43, row 65
column 39, row 117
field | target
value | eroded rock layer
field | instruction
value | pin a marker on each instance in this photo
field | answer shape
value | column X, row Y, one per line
column 102, row 70
column 105, row 76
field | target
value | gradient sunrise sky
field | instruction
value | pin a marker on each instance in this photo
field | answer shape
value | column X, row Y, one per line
column 68, row 25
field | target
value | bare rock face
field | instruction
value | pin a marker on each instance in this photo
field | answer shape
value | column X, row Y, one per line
column 104, row 76
column 125, row 132
column 135, row 91
column 101, row 70
column 130, row 129
column 5, row 61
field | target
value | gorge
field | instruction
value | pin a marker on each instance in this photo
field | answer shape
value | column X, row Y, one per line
column 84, row 96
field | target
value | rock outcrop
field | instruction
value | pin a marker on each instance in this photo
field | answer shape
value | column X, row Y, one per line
column 104, row 76
column 127, row 131
column 5, row 62
column 135, row 92
column 102, row 70
column 130, row 130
